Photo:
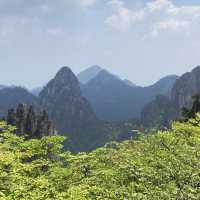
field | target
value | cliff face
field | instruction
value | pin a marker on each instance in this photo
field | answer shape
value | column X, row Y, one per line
column 29, row 122
column 162, row 110
column 184, row 88
column 158, row 113
column 65, row 104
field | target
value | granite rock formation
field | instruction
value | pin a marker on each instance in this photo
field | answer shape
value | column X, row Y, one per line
column 184, row 88
column 29, row 122
column 159, row 113
column 66, row 106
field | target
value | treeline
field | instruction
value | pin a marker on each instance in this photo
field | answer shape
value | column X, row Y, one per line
column 164, row 165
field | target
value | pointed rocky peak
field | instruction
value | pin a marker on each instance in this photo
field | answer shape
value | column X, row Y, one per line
column 65, row 104
column 65, row 83
column 89, row 74
column 65, row 76
column 64, row 72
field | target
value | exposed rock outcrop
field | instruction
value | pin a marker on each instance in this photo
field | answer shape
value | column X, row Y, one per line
column 158, row 113
column 184, row 88
column 29, row 122
column 66, row 106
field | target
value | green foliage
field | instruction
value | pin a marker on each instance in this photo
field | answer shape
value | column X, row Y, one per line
column 165, row 165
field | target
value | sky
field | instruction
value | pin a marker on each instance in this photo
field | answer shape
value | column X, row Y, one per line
column 140, row 40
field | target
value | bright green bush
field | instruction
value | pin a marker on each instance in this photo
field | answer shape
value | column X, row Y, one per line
column 165, row 165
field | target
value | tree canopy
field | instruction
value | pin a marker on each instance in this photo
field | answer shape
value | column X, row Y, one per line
column 163, row 165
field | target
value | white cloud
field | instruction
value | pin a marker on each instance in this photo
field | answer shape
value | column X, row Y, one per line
column 123, row 17
column 155, row 16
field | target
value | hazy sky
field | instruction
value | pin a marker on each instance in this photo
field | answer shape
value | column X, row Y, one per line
column 142, row 40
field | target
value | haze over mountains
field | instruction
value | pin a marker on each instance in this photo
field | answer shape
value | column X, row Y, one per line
column 113, row 99
column 88, row 108
column 10, row 97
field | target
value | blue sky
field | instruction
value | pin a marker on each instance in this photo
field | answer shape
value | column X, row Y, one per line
column 141, row 40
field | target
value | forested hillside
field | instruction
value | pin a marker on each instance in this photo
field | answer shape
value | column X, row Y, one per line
column 162, row 165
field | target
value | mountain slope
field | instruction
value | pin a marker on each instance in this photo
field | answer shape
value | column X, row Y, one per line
column 12, row 96
column 113, row 99
column 129, row 83
column 109, row 96
column 36, row 91
column 88, row 74
column 63, row 100
column 158, row 113
column 165, row 85
column 181, row 96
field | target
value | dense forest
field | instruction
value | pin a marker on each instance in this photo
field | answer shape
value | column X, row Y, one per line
column 160, row 165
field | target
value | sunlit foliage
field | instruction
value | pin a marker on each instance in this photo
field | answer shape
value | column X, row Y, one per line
column 165, row 165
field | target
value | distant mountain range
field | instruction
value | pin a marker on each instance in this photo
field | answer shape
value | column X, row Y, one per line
column 85, row 108
column 111, row 97
column 10, row 97
column 114, row 99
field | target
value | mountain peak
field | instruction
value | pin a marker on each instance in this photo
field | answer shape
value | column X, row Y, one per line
column 63, row 100
column 104, row 78
column 65, row 82
column 95, row 67
column 89, row 73
column 63, row 72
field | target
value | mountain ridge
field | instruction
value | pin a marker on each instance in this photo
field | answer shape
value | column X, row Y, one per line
column 113, row 99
